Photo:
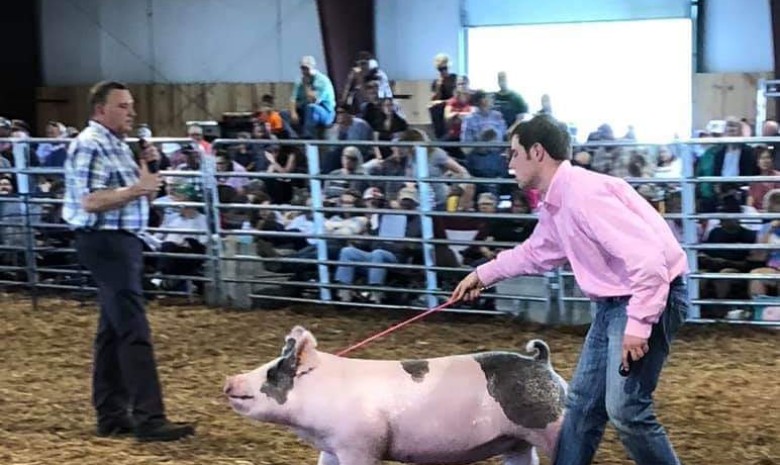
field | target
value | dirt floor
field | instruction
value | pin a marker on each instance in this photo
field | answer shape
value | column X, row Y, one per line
column 718, row 396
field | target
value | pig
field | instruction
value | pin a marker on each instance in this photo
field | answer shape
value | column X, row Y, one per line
column 447, row 410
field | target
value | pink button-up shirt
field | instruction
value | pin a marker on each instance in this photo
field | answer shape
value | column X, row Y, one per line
column 616, row 243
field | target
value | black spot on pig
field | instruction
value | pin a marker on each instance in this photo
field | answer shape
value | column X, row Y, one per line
column 526, row 389
column 417, row 368
column 280, row 378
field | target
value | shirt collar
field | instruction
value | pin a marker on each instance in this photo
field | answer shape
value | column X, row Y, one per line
column 558, row 184
column 104, row 130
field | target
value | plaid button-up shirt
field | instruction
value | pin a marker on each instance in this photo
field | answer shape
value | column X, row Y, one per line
column 97, row 160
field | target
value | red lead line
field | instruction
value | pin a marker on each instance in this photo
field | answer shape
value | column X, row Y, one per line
column 395, row 327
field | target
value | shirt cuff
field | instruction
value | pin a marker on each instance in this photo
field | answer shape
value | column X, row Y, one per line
column 486, row 274
column 638, row 328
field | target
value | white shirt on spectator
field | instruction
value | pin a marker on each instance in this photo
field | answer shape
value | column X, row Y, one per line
column 176, row 221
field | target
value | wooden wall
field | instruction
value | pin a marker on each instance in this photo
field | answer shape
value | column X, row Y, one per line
column 166, row 107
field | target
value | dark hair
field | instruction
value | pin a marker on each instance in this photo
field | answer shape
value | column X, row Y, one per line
column 98, row 94
column 759, row 150
column 544, row 130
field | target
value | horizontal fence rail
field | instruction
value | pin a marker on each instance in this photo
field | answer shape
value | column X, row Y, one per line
column 234, row 271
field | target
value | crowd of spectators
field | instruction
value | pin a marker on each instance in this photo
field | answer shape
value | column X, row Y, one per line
column 365, row 111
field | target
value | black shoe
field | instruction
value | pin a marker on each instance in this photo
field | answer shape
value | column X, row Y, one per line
column 163, row 431
column 115, row 428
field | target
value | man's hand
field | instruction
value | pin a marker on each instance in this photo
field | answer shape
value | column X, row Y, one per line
column 636, row 346
column 150, row 154
column 468, row 289
column 148, row 183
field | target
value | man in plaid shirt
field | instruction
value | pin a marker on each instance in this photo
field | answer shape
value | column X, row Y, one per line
column 107, row 199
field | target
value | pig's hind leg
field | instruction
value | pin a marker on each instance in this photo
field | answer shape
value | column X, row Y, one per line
column 326, row 458
column 527, row 456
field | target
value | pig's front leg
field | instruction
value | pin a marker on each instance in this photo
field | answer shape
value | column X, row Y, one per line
column 525, row 457
column 326, row 458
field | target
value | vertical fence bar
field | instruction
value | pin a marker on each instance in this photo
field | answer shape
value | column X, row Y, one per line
column 690, row 234
column 208, row 171
column 315, row 188
column 20, row 151
column 426, row 206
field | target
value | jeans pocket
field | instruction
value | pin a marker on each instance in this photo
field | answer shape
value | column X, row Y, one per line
column 676, row 312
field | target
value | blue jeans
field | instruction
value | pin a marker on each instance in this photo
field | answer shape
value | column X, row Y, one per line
column 346, row 274
column 597, row 392
column 313, row 116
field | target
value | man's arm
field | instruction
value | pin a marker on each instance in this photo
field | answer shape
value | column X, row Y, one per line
column 539, row 253
column 111, row 199
column 91, row 179
column 621, row 230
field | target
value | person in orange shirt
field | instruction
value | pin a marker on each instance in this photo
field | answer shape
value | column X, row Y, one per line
column 270, row 117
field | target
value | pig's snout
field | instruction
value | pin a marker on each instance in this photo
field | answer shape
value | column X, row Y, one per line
column 235, row 387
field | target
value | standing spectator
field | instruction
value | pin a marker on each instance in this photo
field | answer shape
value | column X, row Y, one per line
column 366, row 71
column 443, row 89
column 511, row 104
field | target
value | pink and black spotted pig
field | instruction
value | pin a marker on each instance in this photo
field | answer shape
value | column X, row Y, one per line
column 446, row 410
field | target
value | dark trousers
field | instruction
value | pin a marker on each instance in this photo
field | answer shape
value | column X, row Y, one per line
column 124, row 369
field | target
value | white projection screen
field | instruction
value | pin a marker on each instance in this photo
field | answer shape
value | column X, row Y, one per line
column 621, row 73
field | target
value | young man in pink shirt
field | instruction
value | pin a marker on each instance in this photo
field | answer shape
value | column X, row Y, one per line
column 624, row 257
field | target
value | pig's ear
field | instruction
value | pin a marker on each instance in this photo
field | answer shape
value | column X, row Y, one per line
column 300, row 345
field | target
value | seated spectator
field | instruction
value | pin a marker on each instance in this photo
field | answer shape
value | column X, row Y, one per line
column 440, row 165
column 53, row 154
column 313, row 101
column 250, row 156
column 512, row 230
column 345, row 223
column 351, row 164
column 456, row 110
column 404, row 224
column 269, row 117
column 482, row 118
column 370, row 106
column 226, row 164
column 769, row 234
column 347, row 128
column 462, row 229
column 485, row 162
column 300, row 222
column 759, row 189
column 386, row 123
column 282, row 160
column 195, row 132
column 669, row 165
column 726, row 260
column 186, row 218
